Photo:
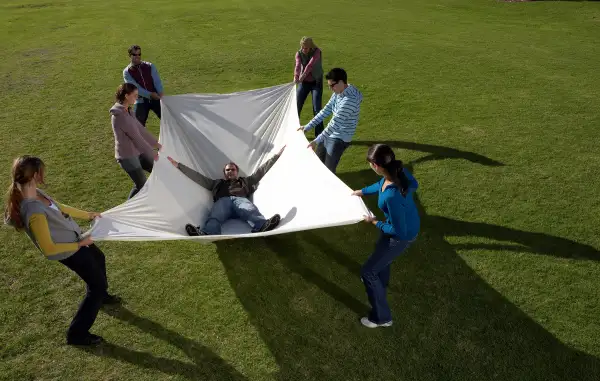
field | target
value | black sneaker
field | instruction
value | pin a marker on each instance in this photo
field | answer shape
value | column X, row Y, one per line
column 270, row 224
column 89, row 340
column 191, row 230
column 274, row 222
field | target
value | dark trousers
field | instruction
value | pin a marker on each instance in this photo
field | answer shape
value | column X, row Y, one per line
column 316, row 88
column 135, row 167
column 330, row 151
column 89, row 263
column 375, row 274
column 142, row 109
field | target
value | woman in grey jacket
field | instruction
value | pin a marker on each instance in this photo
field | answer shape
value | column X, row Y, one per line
column 134, row 145
column 51, row 228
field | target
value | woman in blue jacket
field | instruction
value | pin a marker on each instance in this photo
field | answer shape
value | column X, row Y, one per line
column 398, row 231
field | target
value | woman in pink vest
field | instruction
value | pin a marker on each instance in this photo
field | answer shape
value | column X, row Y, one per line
column 134, row 145
column 308, row 74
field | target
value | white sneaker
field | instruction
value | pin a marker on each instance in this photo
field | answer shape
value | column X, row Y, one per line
column 368, row 323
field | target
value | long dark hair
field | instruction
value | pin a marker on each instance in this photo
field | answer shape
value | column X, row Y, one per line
column 383, row 156
column 23, row 170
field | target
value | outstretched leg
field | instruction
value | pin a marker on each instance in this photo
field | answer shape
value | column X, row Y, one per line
column 301, row 94
column 247, row 211
column 317, row 101
column 334, row 150
column 220, row 212
column 91, row 272
column 375, row 276
column 135, row 169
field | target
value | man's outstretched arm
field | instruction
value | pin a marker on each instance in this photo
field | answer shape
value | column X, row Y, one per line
column 196, row 177
column 254, row 178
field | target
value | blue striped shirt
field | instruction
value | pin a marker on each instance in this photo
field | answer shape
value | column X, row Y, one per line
column 345, row 108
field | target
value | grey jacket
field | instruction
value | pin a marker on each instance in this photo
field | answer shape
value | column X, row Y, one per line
column 63, row 229
column 131, row 138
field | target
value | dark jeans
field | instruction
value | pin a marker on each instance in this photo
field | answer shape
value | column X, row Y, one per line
column 316, row 88
column 375, row 274
column 89, row 263
column 233, row 207
column 330, row 152
column 143, row 108
column 135, row 167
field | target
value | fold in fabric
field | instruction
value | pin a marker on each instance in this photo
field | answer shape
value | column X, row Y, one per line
column 205, row 132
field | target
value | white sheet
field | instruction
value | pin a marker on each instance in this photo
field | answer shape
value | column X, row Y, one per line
column 206, row 131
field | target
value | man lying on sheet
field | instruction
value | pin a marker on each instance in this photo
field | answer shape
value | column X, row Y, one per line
column 230, row 195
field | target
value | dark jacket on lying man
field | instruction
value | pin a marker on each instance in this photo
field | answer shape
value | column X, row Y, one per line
column 231, row 184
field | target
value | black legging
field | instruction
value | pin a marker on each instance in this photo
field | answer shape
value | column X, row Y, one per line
column 89, row 263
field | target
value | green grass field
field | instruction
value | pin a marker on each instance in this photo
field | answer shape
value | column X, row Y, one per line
column 493, row 104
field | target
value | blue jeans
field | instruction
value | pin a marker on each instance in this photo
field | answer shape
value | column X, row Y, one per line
column 330, row 152
column 316, row 88
column 226, row 208
column 375, row 274
column 143, row 107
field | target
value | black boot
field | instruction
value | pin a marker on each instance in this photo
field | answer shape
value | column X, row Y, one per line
column 111, row 300
column 191, row 230
column 87, row 340
column 270, row 224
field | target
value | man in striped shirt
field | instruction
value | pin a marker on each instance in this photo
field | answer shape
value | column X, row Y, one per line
column 345, row 106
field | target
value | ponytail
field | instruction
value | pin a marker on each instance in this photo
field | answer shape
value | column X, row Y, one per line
column 123, row 90
column 383, row 156
column 23, row 171
column 12, row 213
column 396, row 170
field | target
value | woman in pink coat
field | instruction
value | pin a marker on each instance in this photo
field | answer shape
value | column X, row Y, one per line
column 134, row 145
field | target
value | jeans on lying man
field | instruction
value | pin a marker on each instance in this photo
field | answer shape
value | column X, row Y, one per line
column 226, row 208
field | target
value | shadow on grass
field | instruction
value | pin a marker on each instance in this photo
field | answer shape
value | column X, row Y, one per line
column 435, row 152
column 204, row 365
column 537, row 243
column 304, row 295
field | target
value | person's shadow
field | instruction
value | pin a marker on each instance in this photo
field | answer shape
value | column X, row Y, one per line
column 204, row 365
column 304, row 295
column 435, row 152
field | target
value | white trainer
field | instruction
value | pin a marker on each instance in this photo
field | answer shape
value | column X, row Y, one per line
column 368, row 323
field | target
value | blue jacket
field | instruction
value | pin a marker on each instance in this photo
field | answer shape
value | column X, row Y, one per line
column 401, row 213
